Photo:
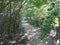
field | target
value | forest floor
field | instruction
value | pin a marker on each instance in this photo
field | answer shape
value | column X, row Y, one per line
column 33, row 34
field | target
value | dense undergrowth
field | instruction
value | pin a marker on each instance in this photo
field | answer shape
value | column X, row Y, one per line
column 11, row 30
column 46, row 16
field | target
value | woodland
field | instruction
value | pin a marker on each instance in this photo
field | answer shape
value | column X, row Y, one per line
column 44, row 14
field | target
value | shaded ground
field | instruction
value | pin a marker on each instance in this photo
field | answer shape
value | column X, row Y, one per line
column 33, row 33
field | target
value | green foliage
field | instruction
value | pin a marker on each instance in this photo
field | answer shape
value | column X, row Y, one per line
column 3, row 4
column 43, row 34
column 38, row 3
column 42, row 14
column 48, row 22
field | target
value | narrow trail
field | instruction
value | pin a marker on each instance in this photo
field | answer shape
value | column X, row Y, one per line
column 32, row 34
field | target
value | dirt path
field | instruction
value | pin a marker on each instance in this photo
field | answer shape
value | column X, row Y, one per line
column 32, row 34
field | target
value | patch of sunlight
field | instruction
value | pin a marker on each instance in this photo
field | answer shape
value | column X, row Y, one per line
column 1, row 43
column 46, row 42
column 7, row 1
column 25, row 24
column 22, row 37
column 0, row 1
column 29, row 9
column 25, row 4
column 58, row 41
column 34, row 7
column 57, row 22
column 16, row 8
column 26, row 34
column 57, row 0
column 41, row 41
column 12, row 42
column 52, row 33
column 12, row 2
column 36, row 29
column 28, row 44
